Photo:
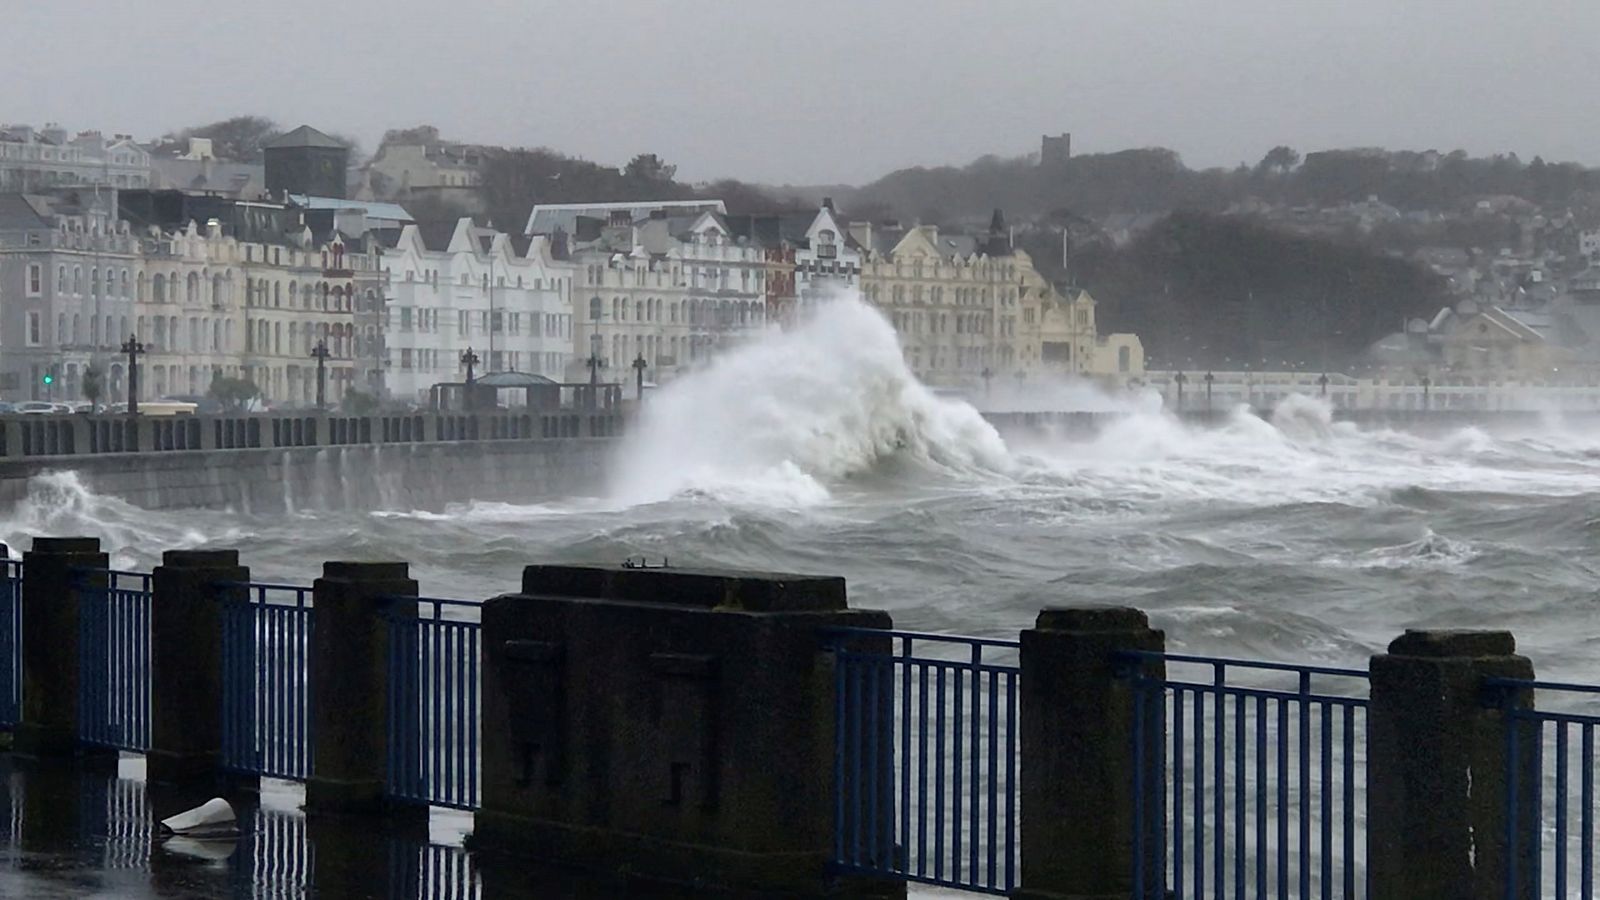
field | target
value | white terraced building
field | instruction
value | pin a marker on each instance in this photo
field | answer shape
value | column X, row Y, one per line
column 455, row 286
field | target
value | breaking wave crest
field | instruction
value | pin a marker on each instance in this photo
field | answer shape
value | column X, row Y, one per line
column 59, row 503
column 787, row 418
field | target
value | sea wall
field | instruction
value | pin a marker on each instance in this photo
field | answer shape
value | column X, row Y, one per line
column 382, row 476
column 1070, row 423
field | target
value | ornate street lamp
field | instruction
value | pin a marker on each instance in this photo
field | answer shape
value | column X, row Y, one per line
column 638, row 368
column 470, row 359
column 320, row 354
column 134, row 348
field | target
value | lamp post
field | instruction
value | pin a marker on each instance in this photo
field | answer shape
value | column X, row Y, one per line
column 1322, row 382
column 1180, row 380
column 1427, row 399
column 638, row 368
column 1209, row 378
column 469, row 359
column 320, row 354
column 133, row 347
column 595, row 362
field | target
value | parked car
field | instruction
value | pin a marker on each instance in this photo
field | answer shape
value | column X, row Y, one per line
column 7, row 408
column 37, row 408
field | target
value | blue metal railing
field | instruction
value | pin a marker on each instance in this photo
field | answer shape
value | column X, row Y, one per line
column 266, row 689
column 925, row 759
column 1262, row 780
column 1550, row 756
column 10, row 643
column 114, row 659
column 434, row 680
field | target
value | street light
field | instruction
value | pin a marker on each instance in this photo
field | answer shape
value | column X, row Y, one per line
column 1322, row 382
column 594, row 361
column 1180, row 379
column 133, row 347
column 1209, row 378
column 470, row 359
column 320, row 354
column 639, row 365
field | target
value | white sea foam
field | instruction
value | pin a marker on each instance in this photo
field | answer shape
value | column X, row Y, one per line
column 59, row 503
column 793, row 413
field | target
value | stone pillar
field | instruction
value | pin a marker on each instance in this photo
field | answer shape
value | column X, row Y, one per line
column 674, row 724
column 1081, row 699
column 1437, row 768
column 186, row 662
column 349, row 682
column 49, row 725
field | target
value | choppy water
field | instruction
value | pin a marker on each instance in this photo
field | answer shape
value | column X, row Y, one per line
column 816, row 451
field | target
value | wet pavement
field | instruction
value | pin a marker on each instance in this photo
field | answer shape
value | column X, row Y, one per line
column 88, row 830
column 84, row 831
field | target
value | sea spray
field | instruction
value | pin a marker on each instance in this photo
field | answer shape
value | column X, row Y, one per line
column 60, row 503
column 781, row 419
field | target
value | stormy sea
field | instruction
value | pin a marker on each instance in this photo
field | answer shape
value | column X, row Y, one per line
column 815, row 450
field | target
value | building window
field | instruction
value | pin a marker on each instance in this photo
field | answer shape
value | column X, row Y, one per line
column 34, row 328
column 35, row 279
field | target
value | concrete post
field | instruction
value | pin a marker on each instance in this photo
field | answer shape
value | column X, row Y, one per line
column 1079, row 706
column 186, row 662
column 1437, row 771
column 50, row 668
column 673, row 724
column 349, row 682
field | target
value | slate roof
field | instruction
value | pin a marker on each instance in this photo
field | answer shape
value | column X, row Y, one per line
column 545, row 218
column 436, row 235
column 304, row 136
column 22, row 212
column 375, row 210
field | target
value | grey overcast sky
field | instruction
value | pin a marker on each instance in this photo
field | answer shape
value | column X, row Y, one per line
column 828, row 90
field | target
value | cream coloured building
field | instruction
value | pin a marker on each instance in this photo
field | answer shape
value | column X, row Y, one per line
column 969, row 307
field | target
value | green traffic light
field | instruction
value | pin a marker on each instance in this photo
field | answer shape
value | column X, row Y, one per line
column 49, row 379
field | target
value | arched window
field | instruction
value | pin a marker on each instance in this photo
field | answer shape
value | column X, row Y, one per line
column 124, row 283
column 94, row 331
column 61, row 329
column 77, row 280
column 61, row 279
column 192, row 292
column 122, row 329
column 218, row 297
column 140, row 298
column 293, row 291
column 94, row 281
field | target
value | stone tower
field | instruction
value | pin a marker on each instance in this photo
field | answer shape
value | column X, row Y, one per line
column 1055, row 149
column 306, row 161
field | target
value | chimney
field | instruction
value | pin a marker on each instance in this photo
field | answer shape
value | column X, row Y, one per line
column 827, row 204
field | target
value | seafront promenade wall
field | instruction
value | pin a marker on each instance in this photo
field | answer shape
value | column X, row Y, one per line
column 1075, row 422
column 755, row 735
column 263, row 464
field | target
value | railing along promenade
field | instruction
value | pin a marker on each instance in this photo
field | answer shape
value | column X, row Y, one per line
column 27, row 437
column 752, row 731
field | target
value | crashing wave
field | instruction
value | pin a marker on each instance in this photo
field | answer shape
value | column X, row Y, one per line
column 785, row 417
